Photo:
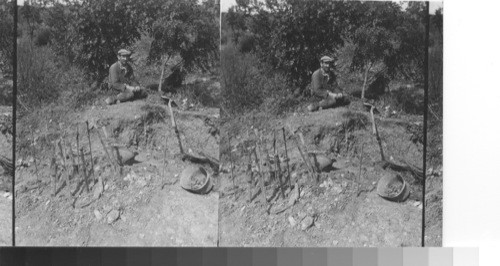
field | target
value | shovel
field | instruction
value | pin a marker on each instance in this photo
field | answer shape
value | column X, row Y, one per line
column 168, row 100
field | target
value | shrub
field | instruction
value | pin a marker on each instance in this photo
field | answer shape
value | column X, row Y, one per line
column 291, row 35
column 246, row 43
column 6, row 40
column 378, row 86
column 199, row 94
column 224, row 37
column 238, row 74
column 102, row 28
column 5, row 93
column 38, row 75
column 185, row 28
column 43, row 37
column 248, row 84
column 45, row 78
column 409, row 101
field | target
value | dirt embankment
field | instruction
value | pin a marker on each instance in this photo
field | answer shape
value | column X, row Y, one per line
column 141, row 204
column 434, row 207
column 5, row 177
column 5, row 219
column 342, row 208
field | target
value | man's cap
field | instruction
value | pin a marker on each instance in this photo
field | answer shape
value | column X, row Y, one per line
column 326, row 59
column 124, row 52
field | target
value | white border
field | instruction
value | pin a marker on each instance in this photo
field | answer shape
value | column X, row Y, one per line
column 472, row 127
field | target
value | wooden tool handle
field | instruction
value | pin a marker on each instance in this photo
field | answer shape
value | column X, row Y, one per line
column 174, row 125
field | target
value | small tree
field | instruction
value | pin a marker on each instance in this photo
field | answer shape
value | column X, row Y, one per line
column 60, row 21
column 30, row 12
column 185, row 28
column 373, row 44
column 102, row 27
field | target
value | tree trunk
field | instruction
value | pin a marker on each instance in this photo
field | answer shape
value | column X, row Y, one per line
column 377, row 136
column 161, row 76
column 163, row 63
column 368, row 66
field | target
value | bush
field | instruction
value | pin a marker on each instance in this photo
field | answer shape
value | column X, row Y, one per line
column 436, row 78
column 38, row 75
column 103, row 27
column 237, row 71
column 279, row 97
column 248, row 84
column 409, row 101
column 291, row 35
column 45, row 78
column 200, row 95
column 224, row 37
column 6, row 33
column 246, row 43
column 5, row 93
column 43, row 37
column 378, row 86
column 186, row 29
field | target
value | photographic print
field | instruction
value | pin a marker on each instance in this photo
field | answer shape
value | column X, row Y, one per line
column 117, row 123
column 322, row 123
column 6, row 122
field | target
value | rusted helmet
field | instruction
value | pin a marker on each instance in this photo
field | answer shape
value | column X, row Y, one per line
column 393, row 187
column 196, row 179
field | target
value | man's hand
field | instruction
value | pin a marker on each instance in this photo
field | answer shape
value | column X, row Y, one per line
column 132, row 88
column 335, row 95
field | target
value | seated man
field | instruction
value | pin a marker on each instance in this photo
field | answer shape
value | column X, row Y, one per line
column 122, row 79
column 324, row 86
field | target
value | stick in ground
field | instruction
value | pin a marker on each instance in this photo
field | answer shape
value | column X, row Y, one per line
column 266, row 152
column 286, row 158
column 53, row 167
column 119, row 159
column 250, row 174
column 82, row 156
column 110, row 161
column 360, row 164
column 278, row 167
column 261, row 180
column 231, row 159
column 63, row 156
column 34, row 153
column 91, row 156
column 309, row 168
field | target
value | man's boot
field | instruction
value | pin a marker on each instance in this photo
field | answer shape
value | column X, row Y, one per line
column 327, row 103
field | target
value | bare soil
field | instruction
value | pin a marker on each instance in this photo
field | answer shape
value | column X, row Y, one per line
column 5, row 220
column 434, row 207
column 343, row 208
column 5, row 182
column 434, row 181
column 141, row 205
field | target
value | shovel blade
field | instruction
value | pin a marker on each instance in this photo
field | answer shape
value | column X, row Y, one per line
column 169, row 100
